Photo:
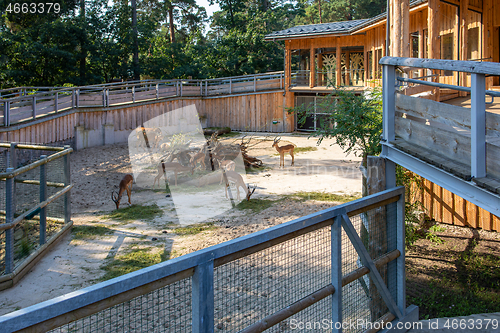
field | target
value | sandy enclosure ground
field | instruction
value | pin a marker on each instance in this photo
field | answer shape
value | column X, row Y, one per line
column 95, row 172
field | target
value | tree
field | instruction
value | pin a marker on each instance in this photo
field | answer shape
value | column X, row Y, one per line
column 340, row 10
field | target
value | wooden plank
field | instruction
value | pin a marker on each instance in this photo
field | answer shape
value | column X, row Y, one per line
column 448, row 207
column 460, row 212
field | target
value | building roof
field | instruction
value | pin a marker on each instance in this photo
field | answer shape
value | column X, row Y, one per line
column 332, row 28
column 344, row 27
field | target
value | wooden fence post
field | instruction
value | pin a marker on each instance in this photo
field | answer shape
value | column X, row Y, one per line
column 67, row 181
column 478, row 124
column 203, row 297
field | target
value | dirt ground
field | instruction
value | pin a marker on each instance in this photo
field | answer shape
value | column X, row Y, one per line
column 96, row 172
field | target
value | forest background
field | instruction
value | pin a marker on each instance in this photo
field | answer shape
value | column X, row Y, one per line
column 97, row 41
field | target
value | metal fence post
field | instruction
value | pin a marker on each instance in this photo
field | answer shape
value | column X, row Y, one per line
column 34, row 107
column 336, row 243
column 157, row 92
column 203, row 297
column 104, row 97
column 181, row 88
column 77, row 98
column 478, row 124
column 254, row 83
column 9, row 217
column 43, row 197
column 107, row 97
column 6, row 114
column 67, row 181
column 73, row 98
column 230, row 85
column 56, row 101
column 133, row 94
column 13, row 164
column 400, row 261
column 206, row 88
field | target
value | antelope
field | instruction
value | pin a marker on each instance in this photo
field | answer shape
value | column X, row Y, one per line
column 125, row 185
column 238, row 180
column 198, row 158
column 152, row 135
column 282, row 150
column 226, row 165
column 163, row 167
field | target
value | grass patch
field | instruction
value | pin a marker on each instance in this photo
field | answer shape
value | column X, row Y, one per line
column 136, row 212
column 256, row 205
column 323, row 196
column 194, row 229
column 304, row 149
column 90, row 231
column 132, row 261
column 255, row 171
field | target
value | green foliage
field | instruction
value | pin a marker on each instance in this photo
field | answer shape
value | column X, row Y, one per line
column 340, row 10
column 136, row 212
column 353, row 121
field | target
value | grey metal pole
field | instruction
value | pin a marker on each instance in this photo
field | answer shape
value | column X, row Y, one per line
column 34, row 107
column 13, row 164
column 9, row 217
column 67, row 181
column 43, row 197
column 56, row 102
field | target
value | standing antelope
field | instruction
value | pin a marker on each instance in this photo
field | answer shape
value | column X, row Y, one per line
column 238, row 180
column 125, row 185
column 282, row 150
column 199, row 157
column 163, row 167
column 227, row 165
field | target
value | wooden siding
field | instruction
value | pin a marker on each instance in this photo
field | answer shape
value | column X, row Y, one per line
column 446, row 207
column 252, row 112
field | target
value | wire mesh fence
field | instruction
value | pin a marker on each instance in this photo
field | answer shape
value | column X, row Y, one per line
column 33, row 209
column 281, row 267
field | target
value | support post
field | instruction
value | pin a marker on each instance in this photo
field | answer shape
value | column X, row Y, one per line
column 34, row 107
column 67, row 181
column 336, row 241
column 133, row 94
column 6, row 113
column 77, row 98
column 230, row 85
column 73, row 99
column 157, row 91
column 400, row 261
column 13, row 165
column 43, row 197
column 9, row 217
column 203, row 297
column 478, row 123
column 389, row 98
column 254, row 83
column 56, row 102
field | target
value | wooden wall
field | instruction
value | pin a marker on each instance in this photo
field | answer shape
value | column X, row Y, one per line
column 252, row 112
column 447, row 207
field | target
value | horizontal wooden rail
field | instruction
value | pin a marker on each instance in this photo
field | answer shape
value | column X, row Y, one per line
column 34, row 147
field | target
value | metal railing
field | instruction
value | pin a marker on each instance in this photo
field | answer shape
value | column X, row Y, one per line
column 34, row 203
column 38, row 103
column 300, row 78
column 312, row 268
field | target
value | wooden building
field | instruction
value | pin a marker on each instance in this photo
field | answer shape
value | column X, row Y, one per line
column 319, row 56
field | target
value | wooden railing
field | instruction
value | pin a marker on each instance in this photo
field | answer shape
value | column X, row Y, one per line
column 448, row 145
column 29, row 103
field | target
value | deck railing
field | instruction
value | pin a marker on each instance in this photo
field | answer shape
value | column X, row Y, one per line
column 309, row 270
column 29, row 103
column 446, row 144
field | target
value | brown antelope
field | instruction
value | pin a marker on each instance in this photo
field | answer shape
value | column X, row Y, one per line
column 238, row 181
column 199, row 157
column 152, row 135
column 282, row 150
column 125, row 185
column 163, row 167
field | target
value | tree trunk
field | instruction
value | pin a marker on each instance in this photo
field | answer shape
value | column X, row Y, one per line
column 135, row 60
column 171, row 27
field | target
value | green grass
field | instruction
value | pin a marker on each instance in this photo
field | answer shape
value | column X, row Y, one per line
column 194, row 229
column 90, row 231
column 136, row 212
column 134, row 260
column 304, row 149
column 256, row 205
column 323, row 196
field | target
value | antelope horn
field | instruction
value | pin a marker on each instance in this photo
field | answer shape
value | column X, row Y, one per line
column 115, row 200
